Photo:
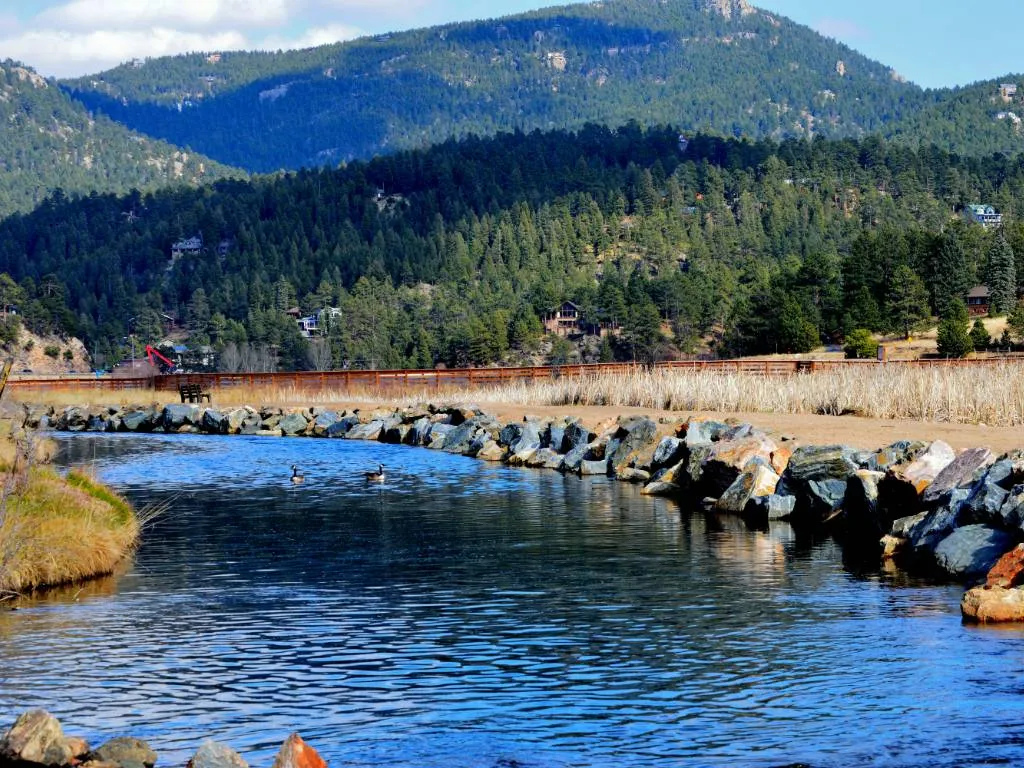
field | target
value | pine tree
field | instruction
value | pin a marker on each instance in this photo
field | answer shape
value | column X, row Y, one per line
column 1001, row 276
column 979, row 336
column 954, row 339
column 906, row 301
column 951, row 274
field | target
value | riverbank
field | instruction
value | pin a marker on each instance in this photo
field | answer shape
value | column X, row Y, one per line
column 918, row 502
column 56, row 530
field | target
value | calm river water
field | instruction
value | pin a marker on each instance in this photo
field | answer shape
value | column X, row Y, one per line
column 471, row 615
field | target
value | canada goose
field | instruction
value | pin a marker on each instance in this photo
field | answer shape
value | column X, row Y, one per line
column 376, row 477
column 297, row 476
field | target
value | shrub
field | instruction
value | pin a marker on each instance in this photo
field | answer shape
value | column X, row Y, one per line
column 29, row 345
column 69, row 355
column 51, row 350
column 979, row 336
column 860, row 345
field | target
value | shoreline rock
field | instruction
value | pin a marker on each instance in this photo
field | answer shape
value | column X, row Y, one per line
column 922, row 504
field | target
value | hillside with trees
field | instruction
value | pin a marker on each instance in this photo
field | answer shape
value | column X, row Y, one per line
column 749, row 246
column 699, row 64
column 51, row 142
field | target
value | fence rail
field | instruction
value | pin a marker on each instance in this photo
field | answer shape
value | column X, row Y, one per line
column 464, row 377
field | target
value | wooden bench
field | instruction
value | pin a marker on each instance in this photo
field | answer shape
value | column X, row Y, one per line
column 193, row 393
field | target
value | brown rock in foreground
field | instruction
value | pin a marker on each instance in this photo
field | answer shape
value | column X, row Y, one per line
column 993, row 604
column 36, row 737
column 1009, row 571
column 295, row 753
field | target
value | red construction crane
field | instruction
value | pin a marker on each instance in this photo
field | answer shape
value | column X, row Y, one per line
column 153, row 352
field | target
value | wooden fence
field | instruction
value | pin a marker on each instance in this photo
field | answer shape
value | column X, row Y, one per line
column 339, row 381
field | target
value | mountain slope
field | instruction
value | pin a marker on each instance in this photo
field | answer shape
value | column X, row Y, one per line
column 49, row 141
column 700, row 64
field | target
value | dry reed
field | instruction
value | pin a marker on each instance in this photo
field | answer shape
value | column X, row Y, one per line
column 992, row 395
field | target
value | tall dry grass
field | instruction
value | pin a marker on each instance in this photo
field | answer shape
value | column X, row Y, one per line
column 992, row 395
column 56, row 530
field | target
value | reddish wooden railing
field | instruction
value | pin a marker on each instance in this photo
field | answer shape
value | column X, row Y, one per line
column 464, row 377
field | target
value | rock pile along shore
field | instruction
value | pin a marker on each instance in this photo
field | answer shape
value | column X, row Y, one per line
column 37, row 739
column 918, row 502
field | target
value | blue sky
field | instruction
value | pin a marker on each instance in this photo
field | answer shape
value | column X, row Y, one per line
column 932, row 42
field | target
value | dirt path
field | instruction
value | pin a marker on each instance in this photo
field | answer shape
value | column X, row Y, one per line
column 866, row 434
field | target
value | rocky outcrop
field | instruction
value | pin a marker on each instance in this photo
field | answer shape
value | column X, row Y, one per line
column 36, row 737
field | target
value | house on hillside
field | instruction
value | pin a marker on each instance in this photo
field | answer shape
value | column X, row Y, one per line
column 567, row 320
column 1007, row 91
column 978, row 300
column 189, row 246
column 563, row 320
column 985, row 215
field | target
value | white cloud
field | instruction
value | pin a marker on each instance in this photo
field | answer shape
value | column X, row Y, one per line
column 205, row 15
column 66, row 54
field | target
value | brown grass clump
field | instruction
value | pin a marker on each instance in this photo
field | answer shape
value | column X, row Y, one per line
column 56, row 530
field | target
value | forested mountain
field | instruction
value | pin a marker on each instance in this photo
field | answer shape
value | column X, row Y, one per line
column 49, row 141
column 757, row 245
column 700, row 64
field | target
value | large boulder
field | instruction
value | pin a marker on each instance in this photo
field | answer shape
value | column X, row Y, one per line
column 661, row 488
column 139, row 420
column 633, row 437
column 323, row 421
column 174, row 417
column 213, row 422
column 74, row 418
column 903, row 486
column 212, row 754
column 237, row 419
column 696, row 432
column 817, row 477
column 864, row 516
column 756, row 481
column 728, row 458
column 965, row 469
column 461, row 437
column 420, row 434
column 596, row 467
column 986, row 502
column 895, row 455
column 572, row 460
column 343, row 426
column 293, row 424
column 490, row 451
column 554, row 435
column 295, row 753
column 36, row 737
column 369, row 430
column 525, row 443
column 971, row 551
column 935, row 525
column 396, row 433
column 993, row 604
column 126, row 752
column 1008, row 570
column 438, row 435
column 670, row 451
column 576, row 436
column 773, row 507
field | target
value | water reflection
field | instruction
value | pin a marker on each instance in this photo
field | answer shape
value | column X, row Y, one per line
column 469, row 614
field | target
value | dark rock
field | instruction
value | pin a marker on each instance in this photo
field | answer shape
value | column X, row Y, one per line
column 343, row 426
column 213, row 422
column 971, row 550
column 369, row 430
column 438, row 435
column 126, row 751
column 526, row 443
column 396, row 433
column 577, row 435
column 237, row 418
column 138, row 420
column 36, row 737
column 323, row 421
column 937, row 524
column 173, row 417
column 633, row 436
column 1011, row 512
column 572, row 460
column 420, row 434
column 817, row 476
column 985, row 504
column 212, row 754
column 670, row 451
column 293, row 424
column 554, row 435
column 964, row 469
column 461, row 437
column 772, row 507
column 860, row 507
column 902, row 487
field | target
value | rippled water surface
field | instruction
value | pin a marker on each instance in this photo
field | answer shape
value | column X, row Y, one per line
column 464, row 614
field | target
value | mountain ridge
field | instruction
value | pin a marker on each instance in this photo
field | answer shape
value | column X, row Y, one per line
column 658, row 61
